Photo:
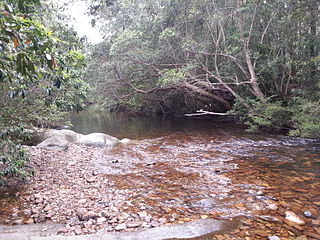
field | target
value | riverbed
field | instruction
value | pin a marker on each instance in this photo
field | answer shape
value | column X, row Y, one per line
column 178, row 171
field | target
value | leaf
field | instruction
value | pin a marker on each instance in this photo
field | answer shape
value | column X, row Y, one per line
column 53, row 63
column 15, row 41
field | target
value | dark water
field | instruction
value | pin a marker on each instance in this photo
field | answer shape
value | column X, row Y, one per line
column 123, row 125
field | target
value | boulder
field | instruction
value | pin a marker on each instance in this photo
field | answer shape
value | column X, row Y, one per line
column 97, row 139
column 127, row 141
column 58, row 143
column 70, row 135
column 65, row 135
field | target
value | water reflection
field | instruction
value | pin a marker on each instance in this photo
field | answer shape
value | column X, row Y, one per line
column 123, row 125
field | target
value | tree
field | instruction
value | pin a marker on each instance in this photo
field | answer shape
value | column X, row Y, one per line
column 186, row 55
column 40, row 75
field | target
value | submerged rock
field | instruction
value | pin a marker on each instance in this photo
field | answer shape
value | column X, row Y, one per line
column 273, row 238
column 291, row 216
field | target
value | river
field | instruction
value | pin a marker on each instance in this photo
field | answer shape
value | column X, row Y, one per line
column 198, row 168
column 187, row 169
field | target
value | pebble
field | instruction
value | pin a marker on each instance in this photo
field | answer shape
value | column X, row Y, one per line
column 291, row 216
column 260, row 233
column 88, row 215
column 270, row 218
column 312, row 234
column 307, row 214
column 17, row 222
column 272, row 207
column 303, row 237
column 273, row 238
column 62, row 231
column 143, row 214
column 29, row 221
column 82, row 201
column 78, row 231
column 315, row 222
column 90, row 179
column 101, row 220
column 135, row 224
column 121, row 227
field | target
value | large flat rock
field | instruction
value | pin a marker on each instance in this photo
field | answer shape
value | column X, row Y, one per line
column 180, row 231
column 26, row 232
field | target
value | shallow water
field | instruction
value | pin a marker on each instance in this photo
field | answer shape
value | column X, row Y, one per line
column 195, row 168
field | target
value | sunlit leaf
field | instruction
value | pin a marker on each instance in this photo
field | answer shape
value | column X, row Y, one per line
column 48, row 57
column 15, row 41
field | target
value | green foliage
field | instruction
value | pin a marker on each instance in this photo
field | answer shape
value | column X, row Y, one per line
column 12, row 156
column 257, row 115
column 258, row 49
column 41, row 74
column 171, row 76
column 306, row 119
column 301, row 116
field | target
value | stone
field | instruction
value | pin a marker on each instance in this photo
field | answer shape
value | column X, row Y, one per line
column 307, row 214
column 315, row 222
column 272, row 207
column 29, row 221
column 303, row 237
column 97, row 139
column 273, row 238
column 120, row 227
column 317, row 204
column 85, row 216
column 82, row 201
column 101, row 220
column 270, row 218
column 291, row 216
column 62, row 231
column 312, row 234
column 78, row 231
column 163, row 220
column 143, row 214
column 260, row 233
column 70, row 135
column 17, row 222
column 90, row 179
column 207, row 202
column 56, row 143
column 125, row 141
column 220, row 237
column 135, row 224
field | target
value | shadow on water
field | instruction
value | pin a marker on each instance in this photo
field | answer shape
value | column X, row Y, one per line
column 124, row 125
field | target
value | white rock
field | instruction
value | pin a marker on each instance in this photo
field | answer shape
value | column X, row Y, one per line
column 273, row 238
column 291, row 216
column 272, row 206
column 82, row 201
column 125, row 141
column 120, row 227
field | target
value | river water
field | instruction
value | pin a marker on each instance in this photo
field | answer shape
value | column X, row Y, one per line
column 182, row 169
column 194, row 168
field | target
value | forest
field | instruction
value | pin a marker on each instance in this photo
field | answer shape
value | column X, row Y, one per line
column 213, row 107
